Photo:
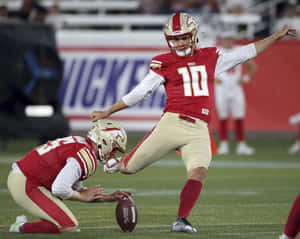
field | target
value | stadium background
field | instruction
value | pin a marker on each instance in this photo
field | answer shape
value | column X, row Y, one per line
column 104, row 47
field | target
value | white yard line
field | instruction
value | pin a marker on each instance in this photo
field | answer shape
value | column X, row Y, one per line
column 177, row 192
column 247, row 233
column 167, row 225
column 233, row 164
column 8, row 159
column 214, row 164
column 155, row 193
column 158, row 193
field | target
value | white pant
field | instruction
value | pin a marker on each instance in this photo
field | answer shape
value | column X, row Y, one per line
column 232, row 101
column 172, row 132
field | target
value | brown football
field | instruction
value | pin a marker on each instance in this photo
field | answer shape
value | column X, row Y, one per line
column 126, row 214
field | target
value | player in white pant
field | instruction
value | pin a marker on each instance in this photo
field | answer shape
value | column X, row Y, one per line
column 230, row 98
column 295, row 120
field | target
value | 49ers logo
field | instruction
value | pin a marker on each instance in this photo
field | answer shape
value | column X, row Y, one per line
column 190, row 21
column 116, row 132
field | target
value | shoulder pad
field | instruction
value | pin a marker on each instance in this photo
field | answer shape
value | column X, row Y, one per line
column 155, row 64
column 159, row 61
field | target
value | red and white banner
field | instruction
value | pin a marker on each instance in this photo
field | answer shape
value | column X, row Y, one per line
column 273, row 95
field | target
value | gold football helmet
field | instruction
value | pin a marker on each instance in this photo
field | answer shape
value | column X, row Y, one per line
column 181, row 26
column 110, row 137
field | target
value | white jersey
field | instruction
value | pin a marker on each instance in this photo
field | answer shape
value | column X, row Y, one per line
column 229, row 94
column 230, row 78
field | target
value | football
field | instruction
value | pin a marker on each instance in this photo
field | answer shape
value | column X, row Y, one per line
column 126, row 214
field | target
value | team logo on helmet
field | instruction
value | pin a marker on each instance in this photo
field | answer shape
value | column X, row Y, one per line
column 117, row 133
column 110, row 137
column 191, row 20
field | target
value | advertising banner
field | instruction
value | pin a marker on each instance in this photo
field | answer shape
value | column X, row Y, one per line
column 100, row 68
column 99, row 73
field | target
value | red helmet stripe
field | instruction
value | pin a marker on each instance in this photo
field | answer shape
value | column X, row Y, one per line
column 176, row 22
column 110, row 129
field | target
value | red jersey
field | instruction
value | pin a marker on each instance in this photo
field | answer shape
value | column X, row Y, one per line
column 189, row 81
column 44, row 163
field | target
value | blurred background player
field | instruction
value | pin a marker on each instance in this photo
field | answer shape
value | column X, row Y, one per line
column 295, row 120
column 230, row 98
column 188, row 75
column 55, row 171
column 292, row 226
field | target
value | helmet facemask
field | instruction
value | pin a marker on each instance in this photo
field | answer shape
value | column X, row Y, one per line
column 106, row 147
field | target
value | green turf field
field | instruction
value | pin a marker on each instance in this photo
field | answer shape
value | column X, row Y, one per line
column 243, row 197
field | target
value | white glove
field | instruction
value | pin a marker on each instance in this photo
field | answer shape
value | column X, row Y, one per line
column 246, row 78
column 112, row 165
column 295, row 119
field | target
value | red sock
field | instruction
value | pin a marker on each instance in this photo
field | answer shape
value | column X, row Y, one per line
column 223, row 130
column 40, row 227
column 292, row 226
column 239, row 130
column 212, row 143
column 188, row 197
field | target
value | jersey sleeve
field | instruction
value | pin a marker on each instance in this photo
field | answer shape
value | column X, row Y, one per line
column 157, row 65
column 145, row 88
column 66, row 179
column 237, row 56
column 87, row 161
column 216, row 52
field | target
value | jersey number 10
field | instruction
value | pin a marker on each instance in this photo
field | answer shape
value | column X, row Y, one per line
column 191, row 83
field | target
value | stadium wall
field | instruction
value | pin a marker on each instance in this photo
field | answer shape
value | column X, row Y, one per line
column 99, row 68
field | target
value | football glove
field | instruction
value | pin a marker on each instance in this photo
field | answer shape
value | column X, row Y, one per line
column 112, row 165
